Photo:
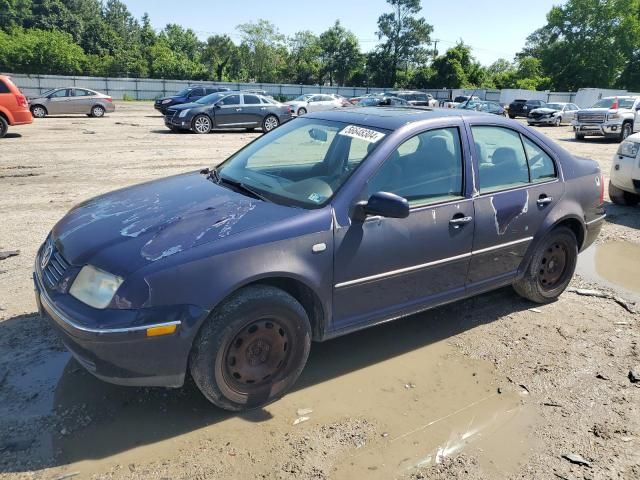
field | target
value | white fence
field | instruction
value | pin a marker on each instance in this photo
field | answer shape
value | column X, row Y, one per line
column 150, row 89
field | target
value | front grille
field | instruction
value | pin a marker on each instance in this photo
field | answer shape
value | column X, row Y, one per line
column 537, row 115
column 170, row 114
column 591, row 117
column 52, row 265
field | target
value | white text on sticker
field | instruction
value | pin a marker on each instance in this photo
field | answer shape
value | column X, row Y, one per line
column 365, row 134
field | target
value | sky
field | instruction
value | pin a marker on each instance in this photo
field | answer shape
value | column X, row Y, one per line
column 494, row 28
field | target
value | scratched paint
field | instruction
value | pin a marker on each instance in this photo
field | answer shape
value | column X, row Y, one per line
column 508, row 207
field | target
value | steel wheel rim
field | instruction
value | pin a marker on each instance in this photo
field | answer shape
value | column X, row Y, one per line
column 38, row 112
column 202, row 125
column 553, row 265
column 98, row 111
column 302, row 111
column 270, row 123
column 257, row 355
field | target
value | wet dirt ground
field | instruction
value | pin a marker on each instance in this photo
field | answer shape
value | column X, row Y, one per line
column 490, row 388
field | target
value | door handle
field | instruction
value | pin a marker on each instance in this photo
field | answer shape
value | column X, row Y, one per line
column 238, row 109
column 458, row 222
column 543, row 201
column 263, row 108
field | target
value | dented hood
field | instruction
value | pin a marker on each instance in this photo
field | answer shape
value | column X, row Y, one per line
column 127, row 229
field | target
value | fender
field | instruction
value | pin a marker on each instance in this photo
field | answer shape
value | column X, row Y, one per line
column 6, row 113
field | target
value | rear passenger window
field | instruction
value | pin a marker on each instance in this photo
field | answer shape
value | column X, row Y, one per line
column 540, row 164
column 426, row 168
column 251, row 100
column 4, row 88
column 506, row 159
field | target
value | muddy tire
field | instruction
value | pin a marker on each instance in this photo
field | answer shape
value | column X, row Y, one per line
column 620, row 197
column 252, row 348
column 551, row 269
column 4, row 126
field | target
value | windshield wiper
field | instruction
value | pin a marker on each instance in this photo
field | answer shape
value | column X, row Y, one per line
column 241, row 186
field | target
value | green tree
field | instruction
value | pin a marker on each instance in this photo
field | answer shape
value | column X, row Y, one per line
column 340, row 53
column 305, row 64
column 588, row 43
column 13, row 13
column 457, row 68
column 264, row 50
column 405, row 34
column 217, row 54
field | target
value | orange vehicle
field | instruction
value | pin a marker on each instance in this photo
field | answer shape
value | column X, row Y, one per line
column 14, row 108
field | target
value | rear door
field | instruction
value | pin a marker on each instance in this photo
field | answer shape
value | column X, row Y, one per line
column 253, row 111
column 81, row 101
column 518, row 183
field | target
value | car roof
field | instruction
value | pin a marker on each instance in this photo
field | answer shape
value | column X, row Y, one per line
column 391, row 118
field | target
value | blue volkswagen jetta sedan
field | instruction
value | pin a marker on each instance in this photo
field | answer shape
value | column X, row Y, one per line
column 331, row 223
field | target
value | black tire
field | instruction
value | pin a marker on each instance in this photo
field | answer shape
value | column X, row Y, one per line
column 4, row 126
column 97, row 111
column 251, row 129
column 302, row 111
column 551, row 269
column 627, row 131
column 262, row 333
column 558, row 122
column 38, row 111
column 579, row 136
column 512, row 116
column 620, row 197
column 269, row 123
column 202, row 124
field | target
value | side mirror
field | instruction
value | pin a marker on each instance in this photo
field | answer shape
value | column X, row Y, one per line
column 217, row 105
column 318, row 135
column 384, row 204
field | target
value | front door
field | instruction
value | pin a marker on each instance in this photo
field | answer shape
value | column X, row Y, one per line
column 388, row 267
column 58, row 102
column 228, row 112
column 518, row 186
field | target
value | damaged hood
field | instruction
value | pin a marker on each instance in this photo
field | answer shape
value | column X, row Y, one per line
column 127, row 229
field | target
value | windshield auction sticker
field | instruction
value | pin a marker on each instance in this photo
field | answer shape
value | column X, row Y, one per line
column 365, row 134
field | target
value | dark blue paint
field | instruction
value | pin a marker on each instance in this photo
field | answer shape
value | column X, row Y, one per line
column 183, row 244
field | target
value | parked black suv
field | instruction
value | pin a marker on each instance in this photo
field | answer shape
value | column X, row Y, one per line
column 521, row 108
column 188, row 95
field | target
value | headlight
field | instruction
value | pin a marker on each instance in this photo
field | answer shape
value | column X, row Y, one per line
column 629, row 149
column 164, row 102
column 95, row 287
column 613, row 116
column 183, row 113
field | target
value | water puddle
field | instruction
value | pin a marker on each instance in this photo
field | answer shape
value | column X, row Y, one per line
column 614, row 264
column 426, row 400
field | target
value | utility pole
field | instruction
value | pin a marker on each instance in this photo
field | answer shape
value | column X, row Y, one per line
column 435, row 48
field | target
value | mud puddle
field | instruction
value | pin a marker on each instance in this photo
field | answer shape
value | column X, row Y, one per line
column 423, row 399
column 614, row 264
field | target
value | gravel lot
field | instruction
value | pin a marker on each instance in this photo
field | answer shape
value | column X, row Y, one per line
column 490, row 388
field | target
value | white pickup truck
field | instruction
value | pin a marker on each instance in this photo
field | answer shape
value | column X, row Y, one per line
column 611, row 117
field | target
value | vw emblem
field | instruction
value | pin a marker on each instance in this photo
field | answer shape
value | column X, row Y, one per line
column 46, row 256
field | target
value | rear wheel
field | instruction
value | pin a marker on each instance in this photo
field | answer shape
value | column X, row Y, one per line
column 551, row 268
column 97, row 111
column 620, row 197
column 202, row 124
column 252, row 349
column 302, row 111
column 4, row 126
column 38, row 111
column 269, row 123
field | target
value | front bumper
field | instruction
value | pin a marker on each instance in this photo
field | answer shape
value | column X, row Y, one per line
column 161, row 108
column 608, row 129
column 123, row 355
column 541, row 121
column 177, row 122
column 625, row 173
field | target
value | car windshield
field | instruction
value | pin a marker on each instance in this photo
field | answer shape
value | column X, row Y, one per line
column 303, row 98
column 555, row 106
column 210, row 99
column 302, row 163
column 608, row 103
column 183, row 93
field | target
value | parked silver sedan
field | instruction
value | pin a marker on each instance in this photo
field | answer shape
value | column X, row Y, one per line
column 63, row 101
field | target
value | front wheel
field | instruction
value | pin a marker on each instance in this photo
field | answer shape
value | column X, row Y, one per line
column 627, row 131
column 558, row 122
column 579, row 136
column 252, row 349
column 551, row 268
column 4, row 126
column 269, row 123
column 97, row 111
column 202, row 124
column 620, row 197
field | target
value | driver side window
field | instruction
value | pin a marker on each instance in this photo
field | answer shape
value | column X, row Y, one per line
column 426, row 168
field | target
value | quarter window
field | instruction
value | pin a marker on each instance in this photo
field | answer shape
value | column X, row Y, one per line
column 507, row 160
column 426, row 168
column 3, row 87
